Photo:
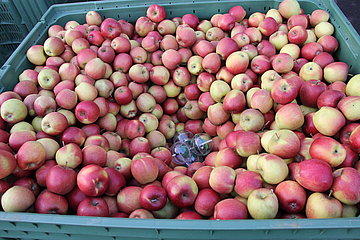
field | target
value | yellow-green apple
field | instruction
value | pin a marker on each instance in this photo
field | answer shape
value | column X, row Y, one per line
column 336, row 71
column 13, row 110
column 31, row 155
column 60, row 179
column 255, row 19
column 36, row 55
column 284, row 143
column 352, row 85
column 282, row 63
column 123, row 166
column 323, row 29
column 139, row 73
column 91, row 206
column 86, row 91
column 260, row 64
column 275, row 14
column 144, row 170
column 241, row 82
column 291, row 196
column 348, row 106
column 230, row 208
column 329, row 150
column 272, row 168
column 331, row 115
column 166, row 27
column 93, row 18
column 218, row 90
column 171, row 89
column 104, row 87
column 289, row 117
column 314, row 175
column 214, row 34
column 182, row 191
column 69, row 155
column 206, row 202
column 237, row 62
column 279, row 39
column 311, row 36
column 349, row 211
column 320, row 205
column 262, row 203
column 194, row 65
column 48, row 78
column 268, row 78
column 222, row 179
column 11, row 202
column 251, row 120
column 92, row 180
column 247, row 143
column 318, row 16
column 288, row 8
column 7, row 163
column 346, row 187
column 227, row 157
column 311, row 71
column 153, row 197
column 246, row 182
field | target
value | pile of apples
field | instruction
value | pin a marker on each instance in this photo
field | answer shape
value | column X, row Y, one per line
column 88, row 130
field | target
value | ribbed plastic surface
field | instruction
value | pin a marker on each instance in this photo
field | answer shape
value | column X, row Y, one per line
column 39, row 226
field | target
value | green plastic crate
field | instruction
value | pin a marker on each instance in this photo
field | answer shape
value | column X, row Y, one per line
column 42, row 226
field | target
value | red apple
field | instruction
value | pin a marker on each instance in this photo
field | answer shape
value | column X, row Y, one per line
column 96, row 207
column 93, row 180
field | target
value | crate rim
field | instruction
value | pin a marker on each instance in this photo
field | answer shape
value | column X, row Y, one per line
column 241, row 224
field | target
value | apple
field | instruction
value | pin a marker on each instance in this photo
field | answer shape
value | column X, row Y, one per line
column 230, row 208
column 319, row 205
column 331, row 115
column 10, row 202
column 91, row 206
column 36, row 55
column 31, row 155
column 251, row 120
column 60, row 179
column 285, row 90
column 262, row 203
column 352, row 85
column 227, row 176
column 282, row 63
column 116, row 181
column 284, row 143
column 13, row 110
column 292, row 197
column 93, row 180
column 144, row 170
column 247, row 143
column 329, row 150
column 311, row 71
column 246, row 182
column 335, row 71
column 260, row 64
column 354, row 139
column 153, row 197
column 272, row 168
column 217, row 115
column 318, row 16
column 51, row 203
column 345, row 186
column 314, row 175
column 323, row 29
column 237, row 62
column 289, row 117
column 182, row 191
column 7, row 163
column 128, row 199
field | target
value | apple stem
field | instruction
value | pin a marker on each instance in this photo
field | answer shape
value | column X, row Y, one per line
column 330, row 193
column 277, row 136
